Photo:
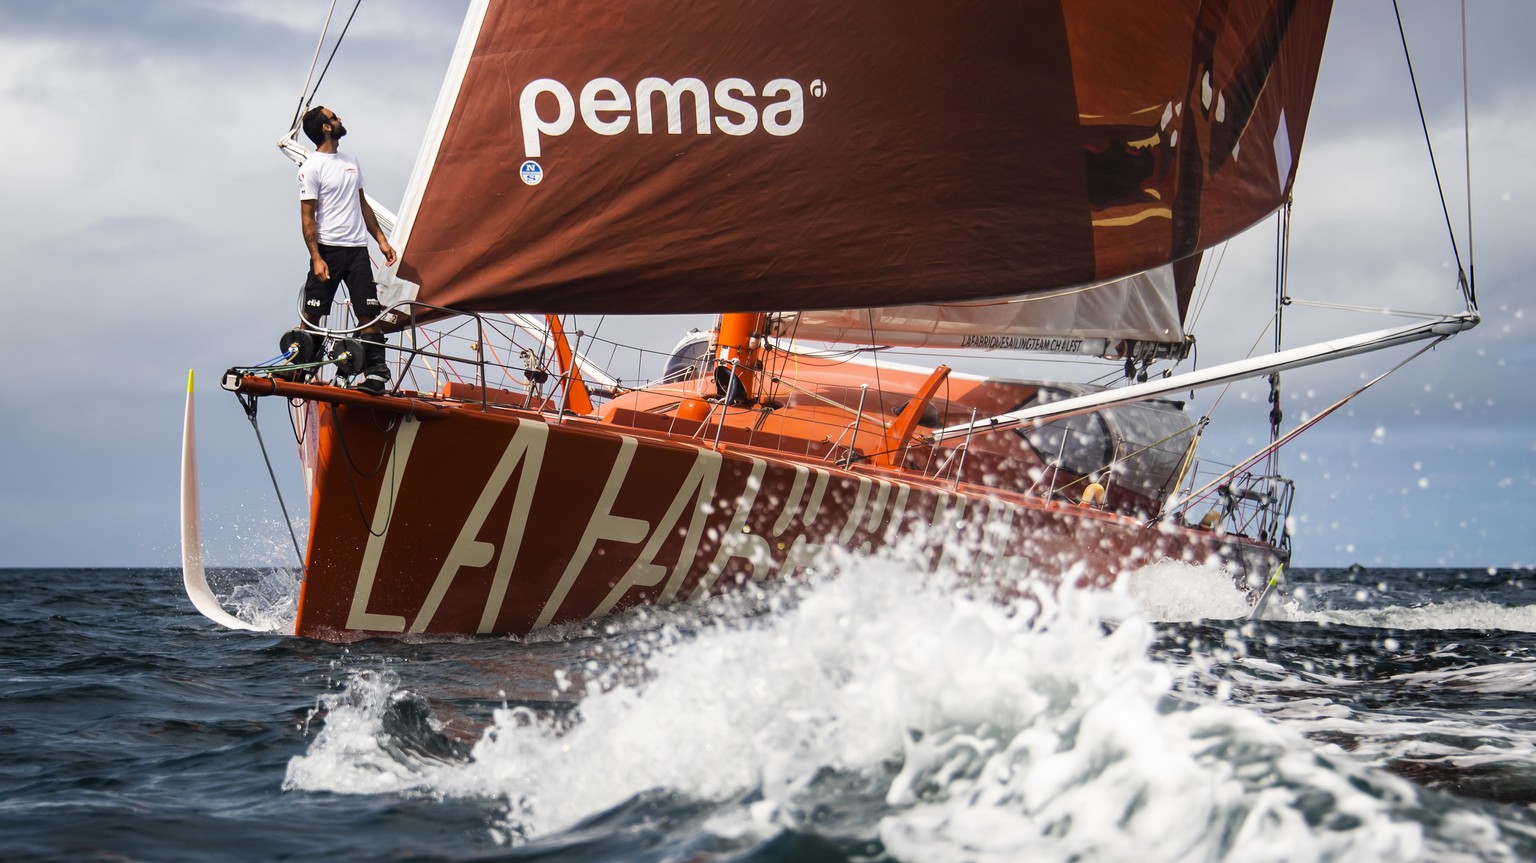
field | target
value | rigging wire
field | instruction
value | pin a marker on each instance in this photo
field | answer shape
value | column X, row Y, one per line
column 249, row 404
column 1229, row 384
column 1461, row 272
column 1195, row 497
column 1466, row 140
column 1370, row 310
column 1282, row 299
column 334, row 49
column 879, row 387
column 307, row 95
column 1203, row 294
column 293, row 125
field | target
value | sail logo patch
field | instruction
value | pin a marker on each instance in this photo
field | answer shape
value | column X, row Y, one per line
column 547, row 108
column 531, row 173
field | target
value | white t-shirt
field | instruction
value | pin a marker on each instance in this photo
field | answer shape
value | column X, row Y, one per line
column 333, row 181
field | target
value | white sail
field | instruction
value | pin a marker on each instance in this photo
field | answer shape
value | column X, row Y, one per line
column 1089, row 320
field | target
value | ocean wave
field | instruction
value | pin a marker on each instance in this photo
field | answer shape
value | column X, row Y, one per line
column 960, row 727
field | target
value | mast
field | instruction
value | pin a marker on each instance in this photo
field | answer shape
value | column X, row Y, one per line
column 1282, row 299
column 738, row 348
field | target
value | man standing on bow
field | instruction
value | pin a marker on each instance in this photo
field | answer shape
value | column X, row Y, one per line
column 337, row 223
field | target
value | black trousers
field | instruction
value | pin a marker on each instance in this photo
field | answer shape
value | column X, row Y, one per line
column 348, row 264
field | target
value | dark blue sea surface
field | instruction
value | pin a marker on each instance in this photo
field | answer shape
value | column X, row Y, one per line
column 1384, row 715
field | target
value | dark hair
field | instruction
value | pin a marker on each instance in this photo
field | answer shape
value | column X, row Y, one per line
column 314, row 118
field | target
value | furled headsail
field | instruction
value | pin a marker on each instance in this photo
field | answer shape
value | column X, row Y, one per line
column 688, row 156
column 1140, row 316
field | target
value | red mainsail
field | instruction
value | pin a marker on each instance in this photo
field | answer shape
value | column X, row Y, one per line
column 667, row 156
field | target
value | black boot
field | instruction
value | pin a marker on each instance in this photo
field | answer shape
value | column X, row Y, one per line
column 375, row 377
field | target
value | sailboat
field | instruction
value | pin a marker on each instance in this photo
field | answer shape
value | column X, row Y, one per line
column 833, row 182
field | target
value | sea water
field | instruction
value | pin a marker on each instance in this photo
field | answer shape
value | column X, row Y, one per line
column 884, row 714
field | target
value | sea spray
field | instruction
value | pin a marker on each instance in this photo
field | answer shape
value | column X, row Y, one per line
column 1451, row 614
column 266, row 598
column 353, row 752
column 142, row 730
column 1170, row 590
column 960, row 728
column 264, row 590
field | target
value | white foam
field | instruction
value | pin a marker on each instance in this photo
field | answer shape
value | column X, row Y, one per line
column 255, row 579
column 349, row 755
column 1039, row 731
column 267, row 599
column 1170, row 591
column 1457, row 614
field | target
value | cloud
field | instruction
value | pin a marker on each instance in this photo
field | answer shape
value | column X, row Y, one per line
column 150, row 226
column 111, row 240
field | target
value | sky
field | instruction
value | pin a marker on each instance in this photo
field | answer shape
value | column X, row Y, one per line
column 150, row 227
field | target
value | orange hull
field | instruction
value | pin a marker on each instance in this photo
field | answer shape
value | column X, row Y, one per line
column 463, row 520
